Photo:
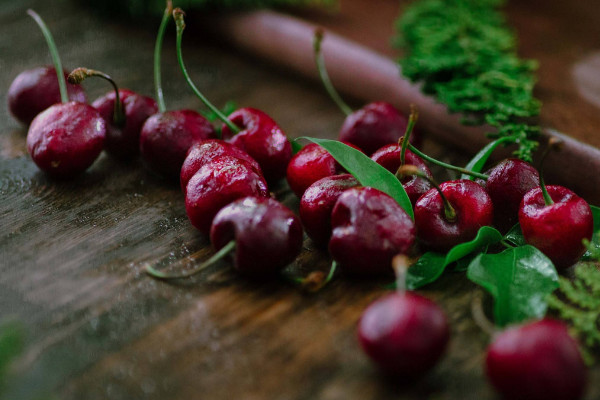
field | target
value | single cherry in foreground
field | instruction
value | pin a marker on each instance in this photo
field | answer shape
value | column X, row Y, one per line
column 536, row 361
column 34, row 90
column 317, row 204
column 369, row 229
column 309, row 165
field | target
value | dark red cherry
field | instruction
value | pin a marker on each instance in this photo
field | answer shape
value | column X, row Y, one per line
column 166, row 138
column 438, row 230
column 405, row 334
column 557, row 229
column 218, row 183
column 34, row 90
column 369, row 229
column 536, row 361
column 262, row 139
column 317, row 204
column 268, row 236
column 374, row 126
column 202, row 152
column 124, row 141
column 507, row 184
column 309, row 165
column 66, row 138
column 389, row 157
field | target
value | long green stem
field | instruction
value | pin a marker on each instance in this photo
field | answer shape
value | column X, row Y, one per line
column 179, row 15
column 62, row 85
column 216, row 257
column 412, row 120
column 400, row 264
column 445, row 165
column 157, row 51
column 78, row 75
column 553, row 144
column 320, row 61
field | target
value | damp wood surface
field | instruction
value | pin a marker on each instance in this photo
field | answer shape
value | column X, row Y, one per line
column 72, row 252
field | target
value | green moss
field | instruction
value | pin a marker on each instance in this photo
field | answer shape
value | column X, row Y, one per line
column 463, row 52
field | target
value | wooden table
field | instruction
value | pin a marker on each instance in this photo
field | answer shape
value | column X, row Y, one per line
column 72, row 253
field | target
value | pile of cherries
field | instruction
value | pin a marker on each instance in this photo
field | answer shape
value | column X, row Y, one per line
column 225, row 181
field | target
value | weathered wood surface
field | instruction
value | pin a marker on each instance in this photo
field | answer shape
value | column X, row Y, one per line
column 71, row 252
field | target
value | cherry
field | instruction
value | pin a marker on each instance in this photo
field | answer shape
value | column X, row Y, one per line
column 66, row 138
column 34, row 90
column 317, row 204
column 309, row 165
column 207, row 150
column 508, row 182
column 267, row 234
column 536, row 361
column 218, row 183
column 369, row 228
column 404, row 333
column 255, row 132
column 450, row 213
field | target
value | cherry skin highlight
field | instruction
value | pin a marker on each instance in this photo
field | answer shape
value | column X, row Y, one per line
column 536, row 361
column 369, row 229
column 262, row 139
column 34, row 90
column 66, row 138
column 166, row 137
column 473, row 208
column 202, row 152
column 388, row 157
column 405, row 334
column 558, row 229
column 218, row 183
column 317, row 204
column 268, row 236
column 123, row 141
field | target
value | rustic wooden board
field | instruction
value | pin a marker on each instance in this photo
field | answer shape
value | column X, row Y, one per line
column 71, row 253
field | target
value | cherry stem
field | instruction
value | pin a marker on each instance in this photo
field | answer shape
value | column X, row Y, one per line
column 78, row 75
column 179, row 15
column 400, row 264
column 215, row 257
column 479, row 315
column 316, row 280
column 553, row 144
column 412, row 120
column 405, row 170
column 62, row 85
column 320, row 61
column 445, row 165
column 157, row 51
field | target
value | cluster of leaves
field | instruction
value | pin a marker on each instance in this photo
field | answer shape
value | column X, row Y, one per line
column 463, row 52
column 154, row 8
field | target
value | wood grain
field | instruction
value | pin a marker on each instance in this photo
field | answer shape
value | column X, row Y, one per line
column 71, row 253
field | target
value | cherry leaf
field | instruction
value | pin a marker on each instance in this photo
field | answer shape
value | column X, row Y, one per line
column 515, row 236
column 595, row 242
column 519, row 279
column 366, row 171
column 478, row 161
column 431, row 265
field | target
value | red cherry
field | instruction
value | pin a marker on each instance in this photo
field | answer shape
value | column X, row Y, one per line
column 268, row 236
column 65, row 139
column 124, row 141
column 317, row 204
column 557, row 230
column 472, row 208
column 309, row 165
column 34, row 90
column 207, row 150
column 369, row 229
column 536, row 361
column 218, row 183
column 404, row 334
column 262, row 139
column 166, row 138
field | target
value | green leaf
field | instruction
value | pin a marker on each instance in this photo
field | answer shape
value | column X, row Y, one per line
column 366, row 171
column 596, row 215
column 594, row 246
column 519, row 279
column 296, row 146
column 515, row 236
column 431, row 265
column 478, row 161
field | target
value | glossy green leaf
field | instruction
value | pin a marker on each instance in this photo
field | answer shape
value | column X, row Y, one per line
column 296, row 146
column 478, row 161
column 595, row 242
column 515, row 236
column 596, row 215
column 519, row 279
column 366, row 171
column 431, row 265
